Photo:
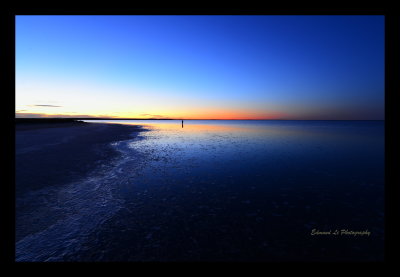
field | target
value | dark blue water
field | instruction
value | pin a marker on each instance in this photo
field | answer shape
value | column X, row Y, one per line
column 234, row 191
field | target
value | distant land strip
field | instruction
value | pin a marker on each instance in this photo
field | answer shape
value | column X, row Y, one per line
column 79, row 119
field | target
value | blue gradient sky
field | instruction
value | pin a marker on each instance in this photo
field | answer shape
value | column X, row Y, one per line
column 287, row 67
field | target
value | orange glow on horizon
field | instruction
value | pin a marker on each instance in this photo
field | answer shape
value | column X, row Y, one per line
column 189, row 115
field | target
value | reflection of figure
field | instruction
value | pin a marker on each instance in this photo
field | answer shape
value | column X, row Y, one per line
column 182, row 123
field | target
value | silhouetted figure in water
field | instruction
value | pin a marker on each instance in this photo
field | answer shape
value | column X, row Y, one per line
column 182, row 123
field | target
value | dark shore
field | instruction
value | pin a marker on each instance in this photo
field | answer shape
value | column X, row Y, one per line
column 52, row 153
column 23, row 124
column 56, row 151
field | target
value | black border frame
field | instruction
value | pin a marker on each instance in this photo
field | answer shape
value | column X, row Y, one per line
column 392, row 86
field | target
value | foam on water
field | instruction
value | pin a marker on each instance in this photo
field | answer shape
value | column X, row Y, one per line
column 75, row 209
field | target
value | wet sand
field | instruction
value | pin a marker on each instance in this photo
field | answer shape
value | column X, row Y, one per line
column 53, row 154
column 50, row 155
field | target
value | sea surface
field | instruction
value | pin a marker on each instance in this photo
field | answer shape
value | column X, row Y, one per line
column 220, row 190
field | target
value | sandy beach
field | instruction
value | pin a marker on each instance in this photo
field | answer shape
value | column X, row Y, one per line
column 51, row 155
column 55, row 153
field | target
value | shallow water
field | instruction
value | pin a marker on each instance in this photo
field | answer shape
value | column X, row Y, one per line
column 248, row 190
column 235, row 191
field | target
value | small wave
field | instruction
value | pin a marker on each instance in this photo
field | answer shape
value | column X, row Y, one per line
column 79, row 208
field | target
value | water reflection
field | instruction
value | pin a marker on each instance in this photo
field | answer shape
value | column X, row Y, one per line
column 250, row 190
column 265, row 131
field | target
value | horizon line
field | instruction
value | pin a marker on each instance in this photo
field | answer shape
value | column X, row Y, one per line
column 106, row 118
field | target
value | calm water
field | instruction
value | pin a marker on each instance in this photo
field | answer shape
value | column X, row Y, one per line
column 239, row 191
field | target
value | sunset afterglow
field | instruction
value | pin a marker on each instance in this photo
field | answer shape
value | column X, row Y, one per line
column 200, row 67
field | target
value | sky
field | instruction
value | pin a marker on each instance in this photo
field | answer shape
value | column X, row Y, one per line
column 201, row 67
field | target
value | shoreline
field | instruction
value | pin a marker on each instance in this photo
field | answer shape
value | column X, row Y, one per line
column 207, row 196
column 50, row 158
column 55, row 169
column 52, row 154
